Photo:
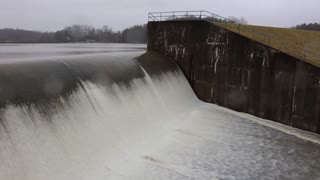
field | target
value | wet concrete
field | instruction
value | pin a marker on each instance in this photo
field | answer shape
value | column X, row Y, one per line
column 236, row 72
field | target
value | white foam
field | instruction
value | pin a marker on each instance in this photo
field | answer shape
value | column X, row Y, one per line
column 96, row 134
column 155, row 128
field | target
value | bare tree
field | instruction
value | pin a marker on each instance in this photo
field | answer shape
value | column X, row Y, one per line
column 240, row 20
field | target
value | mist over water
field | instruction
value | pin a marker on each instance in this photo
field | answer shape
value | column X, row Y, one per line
column 132, row 119
column 96, row 133
column 97, row 130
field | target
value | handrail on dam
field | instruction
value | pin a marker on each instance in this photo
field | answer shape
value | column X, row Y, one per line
column 266, row 38
column 186, row 15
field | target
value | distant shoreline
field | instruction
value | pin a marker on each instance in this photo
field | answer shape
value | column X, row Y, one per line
column 76, row 34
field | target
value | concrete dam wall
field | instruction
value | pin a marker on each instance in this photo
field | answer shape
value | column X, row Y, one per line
column 239, row 73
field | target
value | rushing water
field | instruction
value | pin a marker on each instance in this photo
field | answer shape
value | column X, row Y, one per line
column 132, row 118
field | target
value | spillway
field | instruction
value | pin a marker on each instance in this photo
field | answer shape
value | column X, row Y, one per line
column 132, row 115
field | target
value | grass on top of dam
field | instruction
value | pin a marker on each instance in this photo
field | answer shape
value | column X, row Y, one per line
column 298, row 40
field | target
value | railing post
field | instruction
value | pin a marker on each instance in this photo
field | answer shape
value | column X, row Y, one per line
column 160, row 16
column 253, row 33
column 269, row 39
column 200, row 14
column 305, row 53
column 173, row 15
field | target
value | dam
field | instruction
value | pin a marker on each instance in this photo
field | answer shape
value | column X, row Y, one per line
column 117, row 111
column 269, row 72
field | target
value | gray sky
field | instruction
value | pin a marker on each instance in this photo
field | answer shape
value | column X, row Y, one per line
column 51, row 15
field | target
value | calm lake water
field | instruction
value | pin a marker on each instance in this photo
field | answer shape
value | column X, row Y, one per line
column 11, row 52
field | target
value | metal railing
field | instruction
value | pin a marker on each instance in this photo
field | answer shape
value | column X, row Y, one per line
column 185, row 15
column 266, row 38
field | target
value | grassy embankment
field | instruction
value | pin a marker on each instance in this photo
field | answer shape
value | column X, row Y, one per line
column 302, row 44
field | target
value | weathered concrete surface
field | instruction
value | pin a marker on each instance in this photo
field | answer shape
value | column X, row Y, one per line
column 236, row 72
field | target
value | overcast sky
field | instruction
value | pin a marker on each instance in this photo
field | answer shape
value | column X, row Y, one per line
column 51, row 15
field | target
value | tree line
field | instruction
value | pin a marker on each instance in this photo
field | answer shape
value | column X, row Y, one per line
column 310, row 26
column 76, row 33
column 231, row 19
column 85, row 33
